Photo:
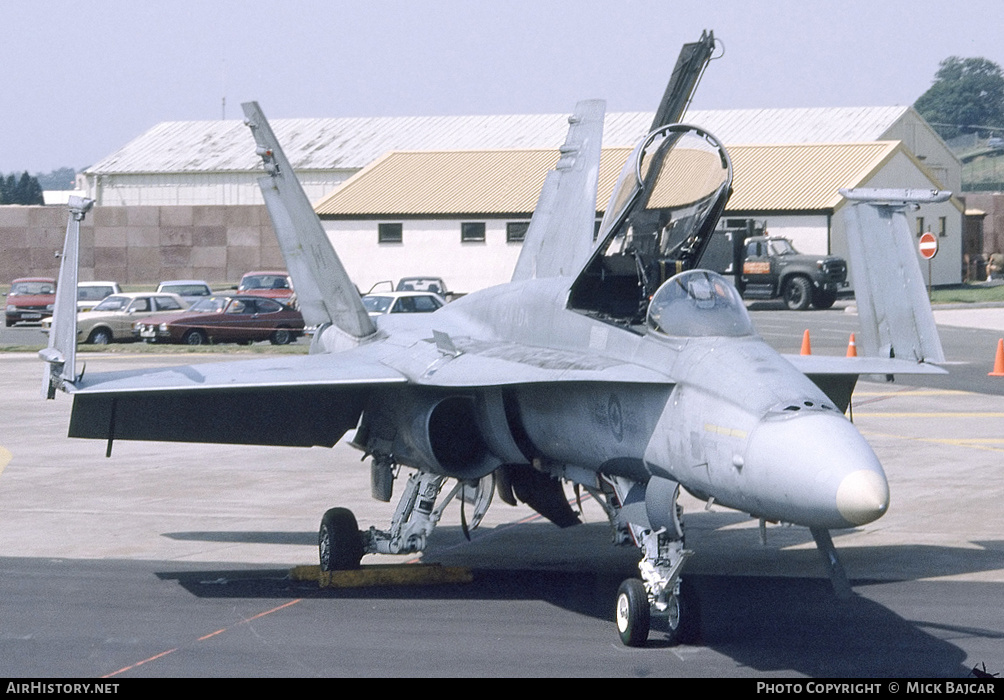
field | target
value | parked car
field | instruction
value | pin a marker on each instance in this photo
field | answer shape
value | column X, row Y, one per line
column 89, row 294
column 189, row 290
column 30, row 300
column 402, row 302
column 225, row 319
column 435, row 285
column 274, row 284
column 113, row 319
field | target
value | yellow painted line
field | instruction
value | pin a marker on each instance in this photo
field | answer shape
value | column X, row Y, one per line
column 919, row 414
column 909, row 392
column 728, row 432
column 984, row 444
column 384, row 575
column 5, row 457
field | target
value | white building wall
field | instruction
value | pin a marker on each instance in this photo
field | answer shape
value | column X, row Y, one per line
column 921, row 140
column 901, row 172
column 430, row 247
column 808, row 233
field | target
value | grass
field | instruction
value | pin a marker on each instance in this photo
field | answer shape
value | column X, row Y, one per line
column 968, row 294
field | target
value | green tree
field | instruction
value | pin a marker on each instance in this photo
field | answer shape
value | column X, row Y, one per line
column 23, row 190
column 967, row 96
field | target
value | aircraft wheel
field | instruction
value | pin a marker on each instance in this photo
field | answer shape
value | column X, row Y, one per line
column 339, row 543
column 194, row 337
column 797, row 293
column 632, row 614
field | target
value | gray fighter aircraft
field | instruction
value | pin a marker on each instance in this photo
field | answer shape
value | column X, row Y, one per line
column 620, row 367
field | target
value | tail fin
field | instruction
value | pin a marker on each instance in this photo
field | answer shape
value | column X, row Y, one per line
column 325, row 293
column 893, row 308
column 560, row 236
column 61, row 354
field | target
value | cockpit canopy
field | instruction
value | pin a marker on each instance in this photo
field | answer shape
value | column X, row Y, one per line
column 662, row 213
column 698, row 303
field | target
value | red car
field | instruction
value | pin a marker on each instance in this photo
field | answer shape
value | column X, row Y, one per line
column 224, row 319
column 30, row 300
column 274, row 284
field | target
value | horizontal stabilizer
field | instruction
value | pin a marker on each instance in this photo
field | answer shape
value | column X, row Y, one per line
column 893, row 308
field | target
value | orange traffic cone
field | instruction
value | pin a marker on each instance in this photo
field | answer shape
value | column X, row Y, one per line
column 998, row 361
column 806, row 345
column 852, row 347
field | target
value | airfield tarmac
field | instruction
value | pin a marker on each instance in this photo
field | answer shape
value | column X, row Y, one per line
column 172, row 559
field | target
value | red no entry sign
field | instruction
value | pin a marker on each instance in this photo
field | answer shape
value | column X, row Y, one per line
column 928, row 245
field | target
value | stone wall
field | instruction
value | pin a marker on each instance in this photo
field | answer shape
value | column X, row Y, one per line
column 142, row 245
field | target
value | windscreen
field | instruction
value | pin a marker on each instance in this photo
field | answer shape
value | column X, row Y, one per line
column 699, row 303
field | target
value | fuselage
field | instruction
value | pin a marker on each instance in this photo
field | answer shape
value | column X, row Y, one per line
column 724, row 415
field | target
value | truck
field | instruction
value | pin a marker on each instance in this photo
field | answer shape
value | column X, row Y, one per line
column 769, row 267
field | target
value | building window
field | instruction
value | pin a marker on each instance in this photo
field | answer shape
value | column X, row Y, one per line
column 472, row 232
column 515, row 231
column 390, row 233
column 920, row 226
column 942, row 226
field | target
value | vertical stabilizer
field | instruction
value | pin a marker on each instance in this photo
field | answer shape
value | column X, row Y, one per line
column 61, row 354
column 560, row 236
column 893, row 308
column 325, row 292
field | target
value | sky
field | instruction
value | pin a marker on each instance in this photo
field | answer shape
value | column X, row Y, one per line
column 83, row 78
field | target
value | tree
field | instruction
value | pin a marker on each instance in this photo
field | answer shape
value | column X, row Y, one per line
column 967, row 96
column 25, row 190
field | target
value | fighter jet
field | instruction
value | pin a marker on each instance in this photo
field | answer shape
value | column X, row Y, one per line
column 620, row 367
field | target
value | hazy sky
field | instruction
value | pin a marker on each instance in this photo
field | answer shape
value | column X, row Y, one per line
column 81, row 79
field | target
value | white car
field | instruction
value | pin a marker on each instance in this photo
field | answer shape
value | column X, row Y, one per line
column 402, row 303
column 189, row 290
column 89, row 294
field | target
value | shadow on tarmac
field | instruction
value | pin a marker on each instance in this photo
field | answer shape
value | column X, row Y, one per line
column 768, row 624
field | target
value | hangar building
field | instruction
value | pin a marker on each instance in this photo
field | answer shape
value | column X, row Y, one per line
column 182, row 201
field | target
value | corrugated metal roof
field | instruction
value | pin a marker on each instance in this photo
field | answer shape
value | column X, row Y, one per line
column 353, row 143
column 790, row 177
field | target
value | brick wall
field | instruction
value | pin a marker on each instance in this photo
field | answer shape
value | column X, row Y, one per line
column 141, row 245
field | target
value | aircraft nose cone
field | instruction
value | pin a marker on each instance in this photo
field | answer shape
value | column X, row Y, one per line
column 863, row 496
column 815, row 469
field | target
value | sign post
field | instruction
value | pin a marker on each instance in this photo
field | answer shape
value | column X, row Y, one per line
column 928, row 249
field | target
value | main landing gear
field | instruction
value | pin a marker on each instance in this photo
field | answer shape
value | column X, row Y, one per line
column 341, row 545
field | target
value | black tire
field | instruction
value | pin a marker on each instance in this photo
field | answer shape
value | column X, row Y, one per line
column 194, row 337
column 797, row 293
column 823, row 300
column 339, row 542
column 100, row 336
column 281, row 336
column 632, row 614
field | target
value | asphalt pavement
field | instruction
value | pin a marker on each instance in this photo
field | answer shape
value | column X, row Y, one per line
column 173, row 559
